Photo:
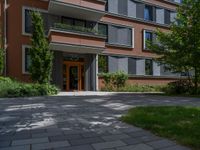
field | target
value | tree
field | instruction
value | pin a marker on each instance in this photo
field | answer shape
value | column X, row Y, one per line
column 180, row 48
column 41, row 56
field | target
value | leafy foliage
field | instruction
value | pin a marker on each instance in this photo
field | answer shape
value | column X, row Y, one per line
column 12, row 88
column 115, row 80
column 180, row 48
column 41, row 56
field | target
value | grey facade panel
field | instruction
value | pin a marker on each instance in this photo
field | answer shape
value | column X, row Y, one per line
column 123, row 64
column 112, row 34
column 57, row 74
column 123, row 7
column 140, row 10
column 113, row 6
column 132, row 66
column 140, row 67
column 156, row 69
column 131, row 9
column 160, row 15
column 112, row 64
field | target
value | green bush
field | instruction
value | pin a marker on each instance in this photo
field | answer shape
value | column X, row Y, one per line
column 180, row 87
column 12, row 88
column 114, row 80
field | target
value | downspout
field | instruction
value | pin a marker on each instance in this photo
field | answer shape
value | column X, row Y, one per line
column 5, row 37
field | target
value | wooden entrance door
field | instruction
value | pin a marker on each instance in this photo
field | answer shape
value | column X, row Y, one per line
column 73, row 74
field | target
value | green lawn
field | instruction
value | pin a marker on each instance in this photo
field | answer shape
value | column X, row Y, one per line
column 181, row 124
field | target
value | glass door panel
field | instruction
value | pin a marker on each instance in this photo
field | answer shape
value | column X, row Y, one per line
column 74, row 78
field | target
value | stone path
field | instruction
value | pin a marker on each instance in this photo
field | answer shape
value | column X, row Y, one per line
column 80, row 123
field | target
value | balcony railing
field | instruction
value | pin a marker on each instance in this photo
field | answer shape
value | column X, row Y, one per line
column 78, row 29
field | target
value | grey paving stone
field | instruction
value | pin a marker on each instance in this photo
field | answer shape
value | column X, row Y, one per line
column 89, row 134
column 84, row 141
column 131, row 141
column 139, row 133
column 29, row 141
column 57, row 138
column 136, row 147
column 161, row 143
column 24, row 147
column 36, row 131
column 82, row 147
column 5, row 143
column 73, row 136
column 115, row 137
column 148, row 138
column 50, row 145
column 41, row 135
column 176, row 147
column 107, row 145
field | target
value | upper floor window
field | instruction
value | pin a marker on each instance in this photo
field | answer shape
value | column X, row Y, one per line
column 119, row 35
column 148, row 13
column 148, row 36
column 28, row 27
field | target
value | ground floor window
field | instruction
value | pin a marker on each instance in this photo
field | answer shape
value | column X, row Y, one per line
column 26, row 59
column 103, row 64
column 148, row 67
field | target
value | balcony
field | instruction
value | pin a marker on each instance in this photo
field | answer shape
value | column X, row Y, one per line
column 74, row 39
column 92, row 10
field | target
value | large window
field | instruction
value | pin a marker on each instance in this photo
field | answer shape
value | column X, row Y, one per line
column 118, row 35
column 148, row 67
column 148, row 13
column 28, row 21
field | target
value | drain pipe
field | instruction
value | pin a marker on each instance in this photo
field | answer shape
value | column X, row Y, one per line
column 5, row 37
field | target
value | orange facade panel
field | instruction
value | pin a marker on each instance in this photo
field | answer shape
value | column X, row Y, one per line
column 76, row 39
column 94, row 4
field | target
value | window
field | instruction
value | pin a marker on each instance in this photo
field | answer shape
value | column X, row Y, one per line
column 148, row 67
column 79, row 23
column 148, row 36
column 103, row 63
column 119, row 35
column 148, row 13
column 26, row 59
column 28, row 21
column 103, row 29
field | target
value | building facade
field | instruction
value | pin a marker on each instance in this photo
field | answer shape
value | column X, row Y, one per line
column 89, row 37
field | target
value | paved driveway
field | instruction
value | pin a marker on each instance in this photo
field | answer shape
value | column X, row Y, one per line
column 80, row 123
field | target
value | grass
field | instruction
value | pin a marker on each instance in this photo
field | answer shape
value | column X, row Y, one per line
column 181, row 124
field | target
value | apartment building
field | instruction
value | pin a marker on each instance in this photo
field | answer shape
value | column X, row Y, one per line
column 89, row 37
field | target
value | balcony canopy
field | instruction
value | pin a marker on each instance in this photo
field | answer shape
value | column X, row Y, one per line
column 85, row 12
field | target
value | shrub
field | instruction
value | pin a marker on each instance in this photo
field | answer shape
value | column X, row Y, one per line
column 114, row 80
column 180, row 87
column 12, row 88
